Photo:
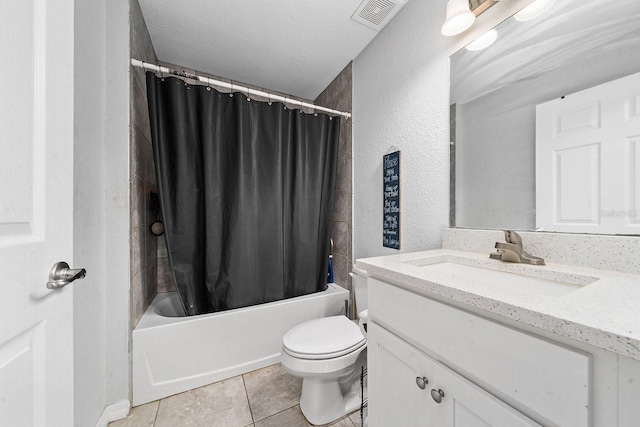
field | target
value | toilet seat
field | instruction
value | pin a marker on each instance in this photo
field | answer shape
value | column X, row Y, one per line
column 324, row 338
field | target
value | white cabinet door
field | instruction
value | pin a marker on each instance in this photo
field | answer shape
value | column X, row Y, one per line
column 628, row 391
column 588, row 160
column 464, row 404
column 395, row 370
column 36, row 210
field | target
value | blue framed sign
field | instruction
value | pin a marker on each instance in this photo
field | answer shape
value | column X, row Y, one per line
column 391, row 197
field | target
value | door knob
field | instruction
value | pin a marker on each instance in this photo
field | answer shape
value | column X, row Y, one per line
column 437, row 395
column 422, row 382
column 61, row 275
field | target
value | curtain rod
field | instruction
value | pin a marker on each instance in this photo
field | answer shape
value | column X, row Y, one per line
column 232, row 86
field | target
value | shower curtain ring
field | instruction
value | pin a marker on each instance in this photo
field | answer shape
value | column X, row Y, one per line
column 269, row 98
column 231, row 94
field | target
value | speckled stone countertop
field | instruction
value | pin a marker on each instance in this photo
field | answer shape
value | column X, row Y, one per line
column 600, row 308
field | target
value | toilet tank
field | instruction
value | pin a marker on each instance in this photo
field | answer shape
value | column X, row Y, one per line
column 359, row 284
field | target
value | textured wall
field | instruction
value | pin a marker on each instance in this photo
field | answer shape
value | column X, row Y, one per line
column 144, row 264
column 339, row 96
column 401, row 98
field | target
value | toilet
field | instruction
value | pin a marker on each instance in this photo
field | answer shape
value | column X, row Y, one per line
column 328, row 354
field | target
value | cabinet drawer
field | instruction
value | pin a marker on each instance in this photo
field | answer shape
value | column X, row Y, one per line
column 541, row 378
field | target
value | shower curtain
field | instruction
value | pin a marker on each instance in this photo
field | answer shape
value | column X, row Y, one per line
column 247, row 193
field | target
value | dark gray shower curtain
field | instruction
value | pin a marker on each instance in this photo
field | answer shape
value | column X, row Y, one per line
column 247, row 193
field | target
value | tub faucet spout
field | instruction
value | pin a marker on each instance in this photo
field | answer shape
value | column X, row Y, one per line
column 511, row 250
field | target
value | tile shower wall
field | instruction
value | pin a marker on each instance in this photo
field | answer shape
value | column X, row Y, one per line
column 142, row 173
column 339, row 95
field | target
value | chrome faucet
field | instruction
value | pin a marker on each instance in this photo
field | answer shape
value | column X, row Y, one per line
column 511, row 250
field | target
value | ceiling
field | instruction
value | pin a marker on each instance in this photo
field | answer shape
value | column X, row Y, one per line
column 292, row 46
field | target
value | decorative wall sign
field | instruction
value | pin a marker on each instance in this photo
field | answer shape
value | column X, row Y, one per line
column 391, row 196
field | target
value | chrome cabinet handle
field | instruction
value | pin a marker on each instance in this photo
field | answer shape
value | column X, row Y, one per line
column 437, row 395
column 422, row 382
column 61, row 275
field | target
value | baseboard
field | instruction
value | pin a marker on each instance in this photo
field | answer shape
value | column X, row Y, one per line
column 115, row 411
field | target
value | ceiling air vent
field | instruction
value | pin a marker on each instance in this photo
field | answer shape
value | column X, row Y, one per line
column 377, row 13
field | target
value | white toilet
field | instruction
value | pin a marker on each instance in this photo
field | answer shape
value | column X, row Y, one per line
column 328, row 353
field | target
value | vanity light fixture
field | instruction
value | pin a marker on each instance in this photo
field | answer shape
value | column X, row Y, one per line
column 484, row 41
column 535, row 9
column 459, row 17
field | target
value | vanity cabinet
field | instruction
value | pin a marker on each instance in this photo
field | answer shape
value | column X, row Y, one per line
column 491, row 373
column 409, row 388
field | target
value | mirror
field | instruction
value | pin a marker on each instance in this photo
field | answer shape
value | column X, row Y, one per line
column 575, row 45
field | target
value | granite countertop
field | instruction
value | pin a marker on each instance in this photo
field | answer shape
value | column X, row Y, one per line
column 597, row 307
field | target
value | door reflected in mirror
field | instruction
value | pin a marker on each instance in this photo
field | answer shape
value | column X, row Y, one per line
column 574, row 46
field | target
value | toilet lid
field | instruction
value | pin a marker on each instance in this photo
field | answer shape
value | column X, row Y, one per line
column 323, row 338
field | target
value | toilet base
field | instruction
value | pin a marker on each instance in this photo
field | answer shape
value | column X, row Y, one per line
column 322, row 400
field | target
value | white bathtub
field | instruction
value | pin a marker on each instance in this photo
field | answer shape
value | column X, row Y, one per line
column 176, row 354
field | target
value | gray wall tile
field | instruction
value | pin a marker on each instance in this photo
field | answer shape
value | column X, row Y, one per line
column 340, row 236
column 341, row 269
column 166, row 282
column 344, row 174
column 138, row 214
column 137, row 248
column 142, row 174
column 339, row 95
column 140, row 107
column 137, row 298
column 150, row 247
column 341, row 206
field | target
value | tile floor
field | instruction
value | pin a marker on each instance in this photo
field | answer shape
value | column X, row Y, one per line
column 267, row 397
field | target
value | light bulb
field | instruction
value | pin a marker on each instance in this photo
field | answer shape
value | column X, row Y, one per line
column 535, row 9
column 484, row 41
column 459, row 17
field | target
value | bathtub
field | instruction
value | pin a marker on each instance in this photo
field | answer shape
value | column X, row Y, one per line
column 172, row 354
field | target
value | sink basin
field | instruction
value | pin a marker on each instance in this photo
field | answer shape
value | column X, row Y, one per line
column 536, row 280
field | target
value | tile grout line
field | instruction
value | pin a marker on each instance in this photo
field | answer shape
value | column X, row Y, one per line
column 246, row 394
column 280, row 412
column 155, row 419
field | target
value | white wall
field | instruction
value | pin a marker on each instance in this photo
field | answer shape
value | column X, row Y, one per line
column 401, row 98
column 495, row 162
column 101, row 207
column 117, row 201
column 88, row 212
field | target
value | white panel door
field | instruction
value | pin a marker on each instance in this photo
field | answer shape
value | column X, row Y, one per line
column 399, row 379
column 463, row 404
column 588, row 160
column 408, row 388
column 36, row 206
